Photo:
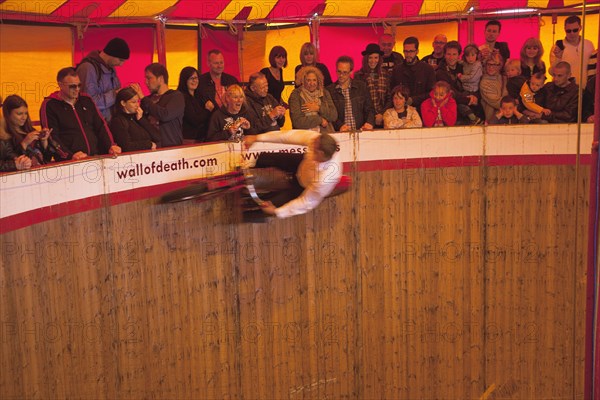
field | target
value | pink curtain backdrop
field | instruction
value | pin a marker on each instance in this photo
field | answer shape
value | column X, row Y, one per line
column 345, row 40
column 514, row 31
column 141, row 46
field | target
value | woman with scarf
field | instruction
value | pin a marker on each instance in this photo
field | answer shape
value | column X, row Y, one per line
column 311, row 106
column 377, row 80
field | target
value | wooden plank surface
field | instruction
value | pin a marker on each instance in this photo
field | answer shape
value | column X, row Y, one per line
column 422, row 283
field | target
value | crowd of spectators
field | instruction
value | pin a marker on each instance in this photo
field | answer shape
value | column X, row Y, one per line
column 92, row 114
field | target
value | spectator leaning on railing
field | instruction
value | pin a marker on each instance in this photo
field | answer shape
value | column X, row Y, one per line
column 75, row 120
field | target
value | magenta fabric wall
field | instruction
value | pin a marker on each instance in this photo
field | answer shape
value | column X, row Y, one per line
column 227, row 43
column 345, row 40
column 514, row 31
column 141, row 46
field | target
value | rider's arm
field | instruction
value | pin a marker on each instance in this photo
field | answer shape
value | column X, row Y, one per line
column 328, row 176
column 294, row 136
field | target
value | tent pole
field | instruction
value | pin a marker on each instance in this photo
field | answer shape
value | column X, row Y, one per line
column 314, row 35
column 471, row 28
column 592, row 347
column 160, row 42
column 199, row 47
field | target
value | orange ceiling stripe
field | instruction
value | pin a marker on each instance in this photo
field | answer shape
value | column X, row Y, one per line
column 348, row 8
column 443, row 7
column 43, row 7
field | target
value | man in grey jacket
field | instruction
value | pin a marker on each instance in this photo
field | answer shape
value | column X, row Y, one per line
column 98, row 76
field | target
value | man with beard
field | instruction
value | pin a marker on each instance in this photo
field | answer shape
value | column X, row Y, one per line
column 165, row 107
column 414, row 74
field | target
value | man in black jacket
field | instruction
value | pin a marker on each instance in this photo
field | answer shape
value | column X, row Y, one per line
column 75, row 120
column 351, row 98
column 562, row 95
column 414, row 74
column 164, row 107
column 491, row 45
column 390, row 58
column 449, row 70
column 213, row 84
column 589, row 100
column 263, row 109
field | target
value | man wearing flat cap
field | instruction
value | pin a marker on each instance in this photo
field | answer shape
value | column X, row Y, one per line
column 98, row 75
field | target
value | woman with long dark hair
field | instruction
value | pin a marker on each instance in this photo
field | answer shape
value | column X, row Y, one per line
column 131, row 129
column 376, row 78
column 274, row 72
column 195, row 115
column 39, row 146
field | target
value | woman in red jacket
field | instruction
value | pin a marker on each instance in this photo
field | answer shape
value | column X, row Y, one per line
column 440, row 108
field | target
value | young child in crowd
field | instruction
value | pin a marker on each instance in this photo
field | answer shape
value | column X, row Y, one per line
column 470, row 77
column 402, row 115
column 440, row 108
column 472, row 69
column 508, row 113
column 514, row 81
column 532, row 93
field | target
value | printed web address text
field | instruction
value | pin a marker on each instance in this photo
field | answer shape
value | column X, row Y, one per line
column 136, row 170
column 159, row 167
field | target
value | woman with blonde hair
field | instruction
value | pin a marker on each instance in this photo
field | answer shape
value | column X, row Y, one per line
column 308, row 58
column 311, row 106
column 231, row 117
column 531, row 57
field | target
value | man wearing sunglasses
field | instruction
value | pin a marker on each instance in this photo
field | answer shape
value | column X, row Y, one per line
column 75, row 120
column 570, row 49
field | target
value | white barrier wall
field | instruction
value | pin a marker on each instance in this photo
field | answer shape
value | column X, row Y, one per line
column 67, row 188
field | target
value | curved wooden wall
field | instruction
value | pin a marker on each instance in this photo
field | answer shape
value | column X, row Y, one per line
column 433, row 278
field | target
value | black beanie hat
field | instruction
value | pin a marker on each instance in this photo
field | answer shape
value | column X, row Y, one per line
column 117, row 47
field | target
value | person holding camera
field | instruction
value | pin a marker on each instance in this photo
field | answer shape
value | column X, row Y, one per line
column 27, row 142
